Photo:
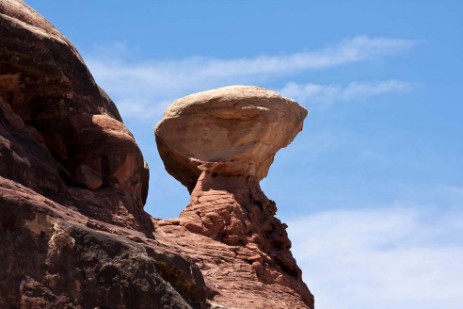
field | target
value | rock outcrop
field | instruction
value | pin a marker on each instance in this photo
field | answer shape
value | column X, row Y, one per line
column 220, row 144
column 240, row 127
column 55, row 257
column 73, row 130
column 73, row 184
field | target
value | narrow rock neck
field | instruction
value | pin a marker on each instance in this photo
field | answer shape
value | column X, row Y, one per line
column 233, row 209
column 219, row 206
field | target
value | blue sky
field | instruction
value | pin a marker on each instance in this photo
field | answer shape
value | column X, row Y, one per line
column 372, row 189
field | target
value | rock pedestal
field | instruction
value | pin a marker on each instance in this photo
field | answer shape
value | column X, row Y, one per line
column 220, row 144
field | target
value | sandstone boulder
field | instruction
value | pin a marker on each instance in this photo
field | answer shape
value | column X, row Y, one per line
column 241, row 126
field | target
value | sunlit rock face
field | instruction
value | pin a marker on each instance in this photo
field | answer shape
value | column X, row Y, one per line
column 240, row 126
column 220, row 144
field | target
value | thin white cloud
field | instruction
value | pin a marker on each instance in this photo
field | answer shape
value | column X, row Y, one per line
column 148, row 85
column 389, row 257
column 357, row 90
column 349, row 51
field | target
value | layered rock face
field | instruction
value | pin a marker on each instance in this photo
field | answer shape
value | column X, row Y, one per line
column 241, row 127
column 220, row 144
column 73, row 184
column 63, row 125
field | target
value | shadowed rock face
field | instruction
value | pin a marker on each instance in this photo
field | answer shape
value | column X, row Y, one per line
column 75, row 133
column 72, row 186
column 220, row 144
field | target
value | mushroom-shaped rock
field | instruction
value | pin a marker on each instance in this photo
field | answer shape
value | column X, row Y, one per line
column 239, row 127
column 220, row 144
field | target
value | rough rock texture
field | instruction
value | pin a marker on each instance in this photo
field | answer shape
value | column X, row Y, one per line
column 219, row 144
column 240, row 124
column 55, row 257
column 73, row 184
column 75, row 130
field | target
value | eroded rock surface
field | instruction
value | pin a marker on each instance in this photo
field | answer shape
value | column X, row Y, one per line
column 243, row 126
column 74, row 131
column 73, row 184
column 55, row 257
column 220, row 144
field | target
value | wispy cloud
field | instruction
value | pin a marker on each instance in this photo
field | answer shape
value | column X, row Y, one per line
column 349, row 51
column 388, row 257
column 357, row 90
column 147, row 86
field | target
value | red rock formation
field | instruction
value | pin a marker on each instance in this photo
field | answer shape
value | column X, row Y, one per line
column 55, row 257
column 223, row 141
column 240, row 247
column 72, row 186
column 58, row 106
column 73, row 183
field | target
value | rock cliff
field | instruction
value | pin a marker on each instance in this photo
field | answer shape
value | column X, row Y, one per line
column 73, row 184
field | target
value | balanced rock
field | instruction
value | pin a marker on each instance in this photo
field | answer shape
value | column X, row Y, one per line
column 220, row 144
column 240, row 126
